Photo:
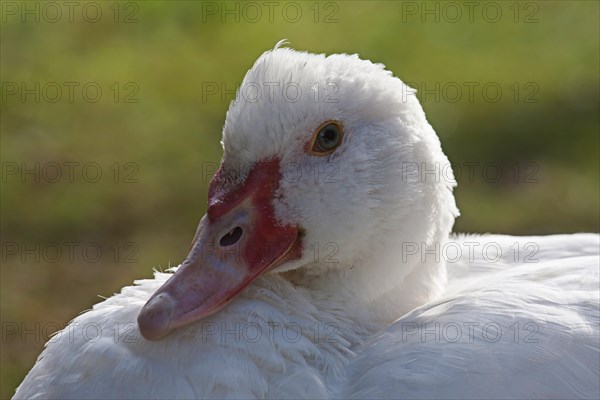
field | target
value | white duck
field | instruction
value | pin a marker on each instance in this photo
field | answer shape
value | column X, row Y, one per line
column 324, row 268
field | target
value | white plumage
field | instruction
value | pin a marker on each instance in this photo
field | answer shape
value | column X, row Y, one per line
column 382, row 302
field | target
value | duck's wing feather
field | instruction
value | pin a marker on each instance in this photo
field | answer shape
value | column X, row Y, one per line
column 513, row 327
column 249, row 350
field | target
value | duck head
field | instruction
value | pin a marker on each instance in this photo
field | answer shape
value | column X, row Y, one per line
column 323, row 169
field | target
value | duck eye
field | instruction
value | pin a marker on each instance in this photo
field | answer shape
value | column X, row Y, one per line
column 327, row 138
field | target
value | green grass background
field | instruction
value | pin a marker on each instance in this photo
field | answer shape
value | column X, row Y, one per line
column 171, row 132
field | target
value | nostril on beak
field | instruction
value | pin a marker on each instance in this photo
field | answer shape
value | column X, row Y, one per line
column 231, row 237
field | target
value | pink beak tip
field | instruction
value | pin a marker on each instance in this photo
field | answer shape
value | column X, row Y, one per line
column 154, row 320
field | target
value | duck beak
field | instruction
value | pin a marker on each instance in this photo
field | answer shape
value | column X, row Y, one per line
column 236, row 241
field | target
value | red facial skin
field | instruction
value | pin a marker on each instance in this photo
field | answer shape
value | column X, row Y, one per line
column 212, row 274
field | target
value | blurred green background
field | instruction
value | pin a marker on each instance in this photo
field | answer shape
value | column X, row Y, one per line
column 154, row 132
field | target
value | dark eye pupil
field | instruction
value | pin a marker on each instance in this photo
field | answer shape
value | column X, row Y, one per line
column 329, row 137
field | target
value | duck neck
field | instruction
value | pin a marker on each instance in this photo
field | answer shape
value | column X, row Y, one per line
column 378, row 289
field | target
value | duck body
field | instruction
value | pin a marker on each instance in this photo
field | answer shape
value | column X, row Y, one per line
column 525, row 329
column 325, row 268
